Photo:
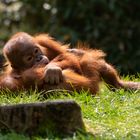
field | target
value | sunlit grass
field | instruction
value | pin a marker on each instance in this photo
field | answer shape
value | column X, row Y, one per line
column 109, row 115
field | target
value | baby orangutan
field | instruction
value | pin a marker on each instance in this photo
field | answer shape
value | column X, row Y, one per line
column 29, row 68
column 87, row 64
column 23, row 51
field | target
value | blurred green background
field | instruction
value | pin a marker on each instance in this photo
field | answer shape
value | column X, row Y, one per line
column 111, row 25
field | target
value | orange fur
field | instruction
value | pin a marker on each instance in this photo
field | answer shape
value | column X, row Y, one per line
column 79, row 68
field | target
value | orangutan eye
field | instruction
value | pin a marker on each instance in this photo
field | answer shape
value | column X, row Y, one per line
column 36, row 51
column 29, row 58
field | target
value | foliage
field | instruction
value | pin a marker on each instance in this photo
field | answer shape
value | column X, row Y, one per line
column 111, row 25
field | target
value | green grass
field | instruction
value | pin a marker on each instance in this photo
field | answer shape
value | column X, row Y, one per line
column 109, row 115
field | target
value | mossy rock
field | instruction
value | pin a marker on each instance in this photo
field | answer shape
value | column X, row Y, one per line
column 63, row 117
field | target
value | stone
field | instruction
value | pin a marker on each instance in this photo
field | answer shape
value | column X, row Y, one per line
column 59, row 116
